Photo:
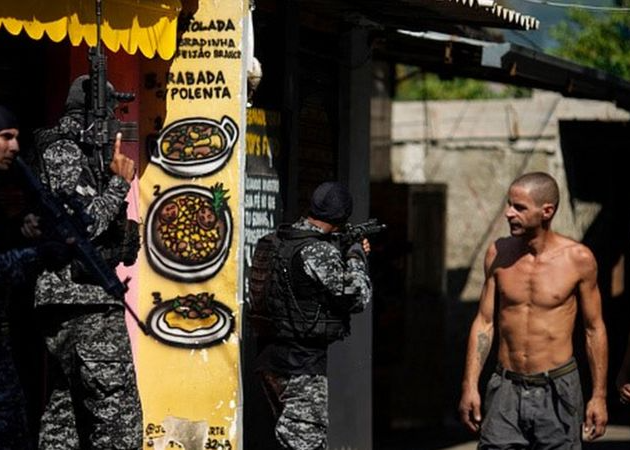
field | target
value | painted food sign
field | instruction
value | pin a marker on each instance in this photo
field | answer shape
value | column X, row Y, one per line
column 195, row 146
column 191, row 202
column 189, row 230
column 191, row 321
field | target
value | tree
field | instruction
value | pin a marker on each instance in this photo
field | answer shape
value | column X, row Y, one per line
column 413, row 84
column 597, row 40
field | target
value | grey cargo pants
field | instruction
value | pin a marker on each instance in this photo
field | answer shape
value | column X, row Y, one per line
column 538, row 411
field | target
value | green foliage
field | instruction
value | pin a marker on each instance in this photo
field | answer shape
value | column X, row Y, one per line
column 219, row 197
column 416, row 85
column 600, row 40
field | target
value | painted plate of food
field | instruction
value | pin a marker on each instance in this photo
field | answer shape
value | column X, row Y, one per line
column 193, row 321
column 189, row 232
column 195, row 147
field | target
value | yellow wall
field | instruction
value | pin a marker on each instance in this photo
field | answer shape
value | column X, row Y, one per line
column 189, row 271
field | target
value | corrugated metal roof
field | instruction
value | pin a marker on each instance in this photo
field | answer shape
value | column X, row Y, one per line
column 504, row 63
column 419, row 15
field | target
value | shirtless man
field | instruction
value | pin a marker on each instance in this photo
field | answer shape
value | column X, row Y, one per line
column 534, row 281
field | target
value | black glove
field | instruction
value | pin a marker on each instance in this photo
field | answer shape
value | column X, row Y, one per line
column 54, row 255
column 356, row 251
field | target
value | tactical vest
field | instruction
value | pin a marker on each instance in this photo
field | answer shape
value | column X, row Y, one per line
column 284, row 301
column 120, row 243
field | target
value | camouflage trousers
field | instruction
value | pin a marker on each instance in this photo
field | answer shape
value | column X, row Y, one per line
column 13, row 422
column 94, row 403
column 300, row 405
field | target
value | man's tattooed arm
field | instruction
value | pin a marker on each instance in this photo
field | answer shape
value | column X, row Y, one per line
column 483, row 347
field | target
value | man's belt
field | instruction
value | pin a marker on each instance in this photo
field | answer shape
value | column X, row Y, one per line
column 538, row 379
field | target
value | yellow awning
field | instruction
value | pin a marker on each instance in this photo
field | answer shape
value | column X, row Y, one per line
column 147, row 25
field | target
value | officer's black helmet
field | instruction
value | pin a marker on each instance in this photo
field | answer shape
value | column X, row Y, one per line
column 331, row 202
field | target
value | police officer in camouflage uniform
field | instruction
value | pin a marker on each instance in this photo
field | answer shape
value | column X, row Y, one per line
column 94, row 403
column 308, row 305
column 16, row 263
column 13, row 264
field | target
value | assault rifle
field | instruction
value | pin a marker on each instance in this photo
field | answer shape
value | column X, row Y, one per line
column 101, row 127
column 71, row 226
column 356, row 233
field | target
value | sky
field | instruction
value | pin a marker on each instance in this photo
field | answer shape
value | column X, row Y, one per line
column 548, row 16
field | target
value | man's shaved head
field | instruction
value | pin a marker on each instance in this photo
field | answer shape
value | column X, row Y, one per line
column 541, row 186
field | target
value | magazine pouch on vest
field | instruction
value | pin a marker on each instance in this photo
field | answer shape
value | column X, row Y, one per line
column 284, row 302
column 120, row 243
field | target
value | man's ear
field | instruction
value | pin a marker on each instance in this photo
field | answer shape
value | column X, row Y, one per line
column 548, row 210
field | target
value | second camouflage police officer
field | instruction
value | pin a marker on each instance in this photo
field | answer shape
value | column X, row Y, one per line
column 303, row 290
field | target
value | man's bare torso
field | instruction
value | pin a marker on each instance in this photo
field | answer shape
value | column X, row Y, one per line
column 537, row 304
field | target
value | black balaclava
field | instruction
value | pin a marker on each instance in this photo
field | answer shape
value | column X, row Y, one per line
column 77, row 94
column 7, row 119
column 331, row 202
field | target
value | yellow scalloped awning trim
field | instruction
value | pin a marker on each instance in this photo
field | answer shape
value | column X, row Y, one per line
column 146, row 25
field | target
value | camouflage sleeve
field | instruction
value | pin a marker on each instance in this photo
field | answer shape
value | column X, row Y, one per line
column 65, row 164
column 14, row 264
column 348, row 281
